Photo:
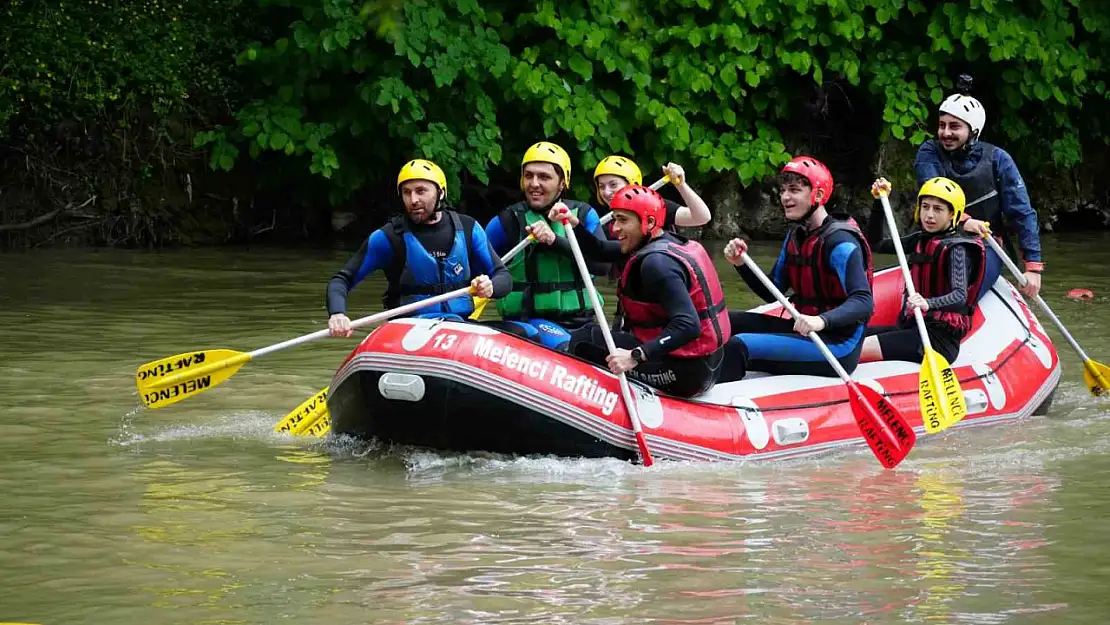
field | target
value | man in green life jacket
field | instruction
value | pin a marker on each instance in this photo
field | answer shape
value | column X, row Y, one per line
column 548, row 294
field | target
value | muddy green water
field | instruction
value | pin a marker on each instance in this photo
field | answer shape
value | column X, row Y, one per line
column 199, row 514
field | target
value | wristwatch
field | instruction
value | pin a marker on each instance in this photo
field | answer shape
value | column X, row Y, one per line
column 638, row 355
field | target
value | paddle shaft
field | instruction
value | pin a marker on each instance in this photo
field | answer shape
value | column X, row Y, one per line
column 905, row 267
column 358, row 323
column 882, row 425
column 833, row 362
column 240, row 359
column 1020, row 277
column 595, row 302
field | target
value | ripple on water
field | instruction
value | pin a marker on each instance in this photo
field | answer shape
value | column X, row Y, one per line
column 201, row 513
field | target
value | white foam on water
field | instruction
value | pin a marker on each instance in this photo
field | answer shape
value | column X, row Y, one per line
column 238, row 425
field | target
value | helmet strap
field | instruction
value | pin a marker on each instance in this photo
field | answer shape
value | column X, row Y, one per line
column 801, row 221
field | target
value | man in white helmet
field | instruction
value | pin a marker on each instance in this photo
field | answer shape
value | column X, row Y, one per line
column 995, row 191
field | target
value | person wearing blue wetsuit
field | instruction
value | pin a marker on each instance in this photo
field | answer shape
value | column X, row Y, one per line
column 427, row 251
column 548, row 296
column 995, row 191
column 826, row 262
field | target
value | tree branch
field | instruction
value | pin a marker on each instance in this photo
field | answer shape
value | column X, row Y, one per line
column 41, row 219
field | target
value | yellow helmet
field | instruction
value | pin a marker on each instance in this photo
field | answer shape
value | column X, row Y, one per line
column 946, row 190
column 547, row 152
column 420, row 169
column 618, row 166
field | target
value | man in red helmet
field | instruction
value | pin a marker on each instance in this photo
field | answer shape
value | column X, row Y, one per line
column 674, row 315
column 827, row 263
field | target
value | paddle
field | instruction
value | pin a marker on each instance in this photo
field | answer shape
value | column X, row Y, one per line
column 1095, row 374
column 313, row 418
column 173, row 379
column 599, row 315
column 942, row 399
column 884, row 428
column 480, row 302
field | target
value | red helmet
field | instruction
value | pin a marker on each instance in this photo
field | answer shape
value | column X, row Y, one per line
column 644, row 202
column 816, row 173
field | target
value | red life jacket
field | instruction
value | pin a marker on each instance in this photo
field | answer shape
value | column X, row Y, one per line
column 647, row 319
column 930, row 271
column 816, row 286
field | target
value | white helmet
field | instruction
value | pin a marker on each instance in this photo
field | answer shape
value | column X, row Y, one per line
column 968, row 109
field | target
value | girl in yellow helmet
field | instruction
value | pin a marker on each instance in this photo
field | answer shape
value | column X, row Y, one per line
column 946, row 265
column 615, row 172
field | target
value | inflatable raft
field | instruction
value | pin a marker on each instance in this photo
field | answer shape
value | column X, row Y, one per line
column 467, row 387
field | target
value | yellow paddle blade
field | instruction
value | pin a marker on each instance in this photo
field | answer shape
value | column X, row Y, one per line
column 318, row 429
column 170, row 380
column 1097, row 377
column 479, row 306
column 305, row 414
column 942, row 399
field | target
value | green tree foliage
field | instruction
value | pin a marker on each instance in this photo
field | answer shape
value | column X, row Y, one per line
column 355, row 88
column 110, row 98
column 77, row 59
column 98, row 99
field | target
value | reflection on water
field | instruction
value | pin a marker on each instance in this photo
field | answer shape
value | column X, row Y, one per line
column 942, row 503
column 200, row 513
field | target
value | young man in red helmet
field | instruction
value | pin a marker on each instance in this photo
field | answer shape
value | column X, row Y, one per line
column 675, row 320
column 826, row 262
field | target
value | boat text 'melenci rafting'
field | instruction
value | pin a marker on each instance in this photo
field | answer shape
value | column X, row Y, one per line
column 584, row 386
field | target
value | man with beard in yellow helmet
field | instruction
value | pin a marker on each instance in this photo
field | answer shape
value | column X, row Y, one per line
column 548, row 293
column 427, row 251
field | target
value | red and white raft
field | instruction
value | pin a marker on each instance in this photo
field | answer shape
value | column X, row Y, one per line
column 467, row 387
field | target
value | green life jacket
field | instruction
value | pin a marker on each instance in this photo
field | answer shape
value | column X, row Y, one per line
column 546, row 283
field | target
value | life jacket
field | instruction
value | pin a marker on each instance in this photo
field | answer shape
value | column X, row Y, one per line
column 816, row 286
column 929, row 269
column 546, row 283
column 983, row 200
column 646, row 320
column 417, row 275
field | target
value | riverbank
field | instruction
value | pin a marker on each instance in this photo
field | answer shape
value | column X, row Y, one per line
column 191, row 206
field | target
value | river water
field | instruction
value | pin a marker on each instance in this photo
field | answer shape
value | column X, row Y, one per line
column 199, row 514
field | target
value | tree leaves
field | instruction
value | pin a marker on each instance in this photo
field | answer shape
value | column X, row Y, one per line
column 471, row 84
